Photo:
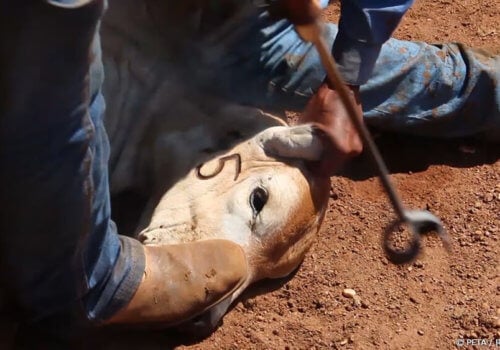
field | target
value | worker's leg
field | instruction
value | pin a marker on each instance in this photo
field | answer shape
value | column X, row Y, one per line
column 59, row 251
column 433, row 90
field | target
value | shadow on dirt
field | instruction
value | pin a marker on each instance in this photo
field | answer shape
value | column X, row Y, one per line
column 404, row 154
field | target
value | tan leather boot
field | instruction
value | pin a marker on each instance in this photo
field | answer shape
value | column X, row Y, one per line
column 182, row 281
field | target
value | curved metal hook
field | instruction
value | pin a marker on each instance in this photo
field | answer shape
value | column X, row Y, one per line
column 420, row 222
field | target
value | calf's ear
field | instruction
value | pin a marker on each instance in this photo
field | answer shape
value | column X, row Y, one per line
column 310, row 142
column 299, row 142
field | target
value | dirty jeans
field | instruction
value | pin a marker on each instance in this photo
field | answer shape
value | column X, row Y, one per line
column 442, row 90
column 59, row 250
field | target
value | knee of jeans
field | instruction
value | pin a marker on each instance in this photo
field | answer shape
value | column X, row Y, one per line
column 302, row 71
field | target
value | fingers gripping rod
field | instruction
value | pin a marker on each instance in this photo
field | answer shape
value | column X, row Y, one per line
column 420, row 221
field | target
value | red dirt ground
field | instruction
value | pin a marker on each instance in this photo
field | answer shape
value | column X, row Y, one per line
column 430, row 304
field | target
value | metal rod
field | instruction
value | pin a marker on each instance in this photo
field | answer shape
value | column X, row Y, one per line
column 334, row 78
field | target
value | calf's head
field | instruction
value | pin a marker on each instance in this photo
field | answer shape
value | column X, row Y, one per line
column 262, row 194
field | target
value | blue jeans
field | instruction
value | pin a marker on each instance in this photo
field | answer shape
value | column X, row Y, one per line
column 416, row 88
column 60, row 254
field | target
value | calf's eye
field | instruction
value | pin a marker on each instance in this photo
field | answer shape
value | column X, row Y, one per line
column 258, row 198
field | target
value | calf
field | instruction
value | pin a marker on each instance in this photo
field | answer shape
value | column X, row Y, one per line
column 211, row 169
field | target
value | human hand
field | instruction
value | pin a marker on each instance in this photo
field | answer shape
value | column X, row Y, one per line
column 327, row 111
column 299, row 12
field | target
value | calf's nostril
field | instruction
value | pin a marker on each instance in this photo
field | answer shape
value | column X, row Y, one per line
column 142, row 237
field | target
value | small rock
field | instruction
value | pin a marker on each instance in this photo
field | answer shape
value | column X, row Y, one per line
column 344, row 342
column 334, row 196
column 349, row 293
column 418, row 264
column 488, row 197
column 478, row 205
column 275, row 332
column 413, row 300
column 249, row 303
column 420, row 332
column 357, row 300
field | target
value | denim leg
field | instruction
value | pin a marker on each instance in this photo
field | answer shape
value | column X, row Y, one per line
column 59, row 251
column 113, row 264
column 431, row 90
column 434, row 90
column 259, row 61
